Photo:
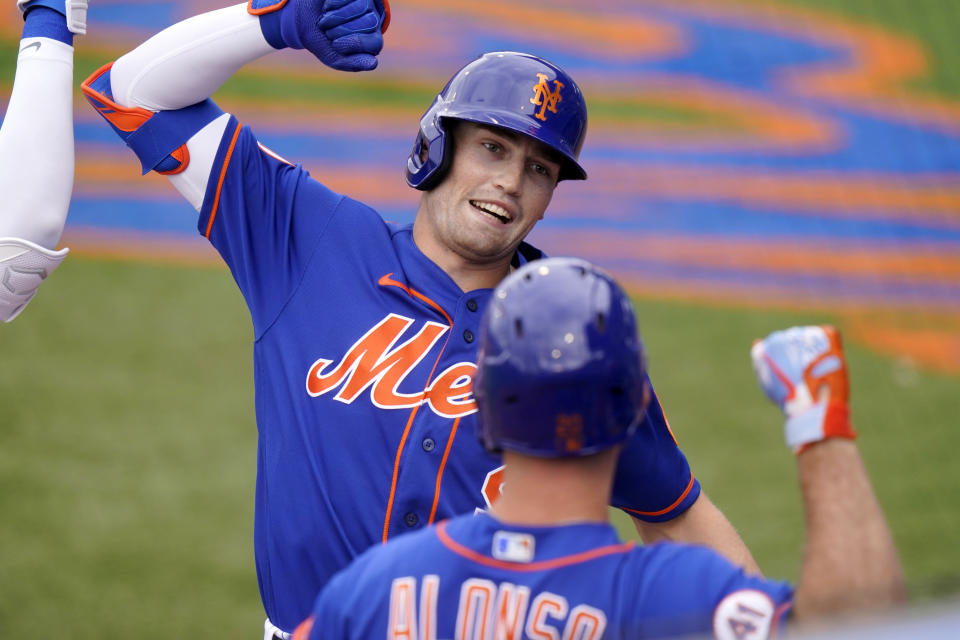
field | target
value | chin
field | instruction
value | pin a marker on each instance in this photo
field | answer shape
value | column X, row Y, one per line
column 491, row 252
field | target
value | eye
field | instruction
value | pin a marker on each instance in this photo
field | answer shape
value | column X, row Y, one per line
column 492, row 146
column 543, row 170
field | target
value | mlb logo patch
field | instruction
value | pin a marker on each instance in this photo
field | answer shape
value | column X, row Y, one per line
column 513, row 547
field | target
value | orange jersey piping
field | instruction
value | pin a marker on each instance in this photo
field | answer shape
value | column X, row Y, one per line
column 387, row 281
column 443, row 465
column 223, row 176
column 543, row 565
column 671, row 507
column 276, row 6
column 302, row 632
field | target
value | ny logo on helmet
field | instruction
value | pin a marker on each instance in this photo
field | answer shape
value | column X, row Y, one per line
column 544, row 98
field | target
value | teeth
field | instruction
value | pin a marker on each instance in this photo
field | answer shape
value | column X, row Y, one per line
column 492, row 209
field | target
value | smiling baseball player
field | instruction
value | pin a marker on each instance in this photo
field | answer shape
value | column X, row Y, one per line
column 561, row 385
column 365, row 331
column 36, row 150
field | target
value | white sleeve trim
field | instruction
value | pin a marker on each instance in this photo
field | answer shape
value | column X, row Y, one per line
column 203, row 146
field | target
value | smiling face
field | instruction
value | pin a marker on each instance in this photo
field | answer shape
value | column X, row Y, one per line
column 498, row 187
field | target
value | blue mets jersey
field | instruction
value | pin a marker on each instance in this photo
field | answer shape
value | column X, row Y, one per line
column 474, row 578
column 364, row 352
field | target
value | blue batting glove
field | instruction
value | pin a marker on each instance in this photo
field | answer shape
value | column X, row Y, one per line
column 346, row 35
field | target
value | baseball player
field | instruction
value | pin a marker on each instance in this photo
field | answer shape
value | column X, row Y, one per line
column 365, row 331
column 561, row 386
column 36, row 150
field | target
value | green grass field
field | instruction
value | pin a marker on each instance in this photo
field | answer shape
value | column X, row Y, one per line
column 127, row 450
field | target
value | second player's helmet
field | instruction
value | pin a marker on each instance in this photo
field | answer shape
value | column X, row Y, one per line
column 515, row 91
column 561, row 370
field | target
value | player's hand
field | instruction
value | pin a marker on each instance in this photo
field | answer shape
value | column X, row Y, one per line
column 346, row 35
column 804, row 372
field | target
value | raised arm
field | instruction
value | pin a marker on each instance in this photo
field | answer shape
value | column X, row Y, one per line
column 187, row 62
column 850, row 562
column 674, row 507
column 178, row 70
column 36, row 151
column 703, row 524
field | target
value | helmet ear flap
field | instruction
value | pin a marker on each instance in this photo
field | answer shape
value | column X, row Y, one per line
column 423, row 153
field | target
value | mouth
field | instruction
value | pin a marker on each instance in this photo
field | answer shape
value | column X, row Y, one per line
column 493, row 210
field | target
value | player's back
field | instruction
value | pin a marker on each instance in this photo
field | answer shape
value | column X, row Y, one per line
column 473, row 575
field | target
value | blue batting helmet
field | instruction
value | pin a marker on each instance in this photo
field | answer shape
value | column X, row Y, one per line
column 515, row 91
column 561, row 369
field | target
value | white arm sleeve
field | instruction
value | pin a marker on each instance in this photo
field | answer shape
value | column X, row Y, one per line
column 192, row 182
column 183, row 65
column 36, row 144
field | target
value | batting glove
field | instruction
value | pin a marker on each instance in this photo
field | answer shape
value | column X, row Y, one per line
column 346, row 35
column 804, row 372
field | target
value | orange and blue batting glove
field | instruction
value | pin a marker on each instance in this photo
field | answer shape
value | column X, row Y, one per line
column 804, row 372
column 346, row 35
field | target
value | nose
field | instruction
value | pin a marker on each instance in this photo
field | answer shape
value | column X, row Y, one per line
column 510, row 176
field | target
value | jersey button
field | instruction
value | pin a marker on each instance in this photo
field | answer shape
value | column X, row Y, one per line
column 429, row 444
column 468, row 336
column 411, row 519
column 472, row 305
